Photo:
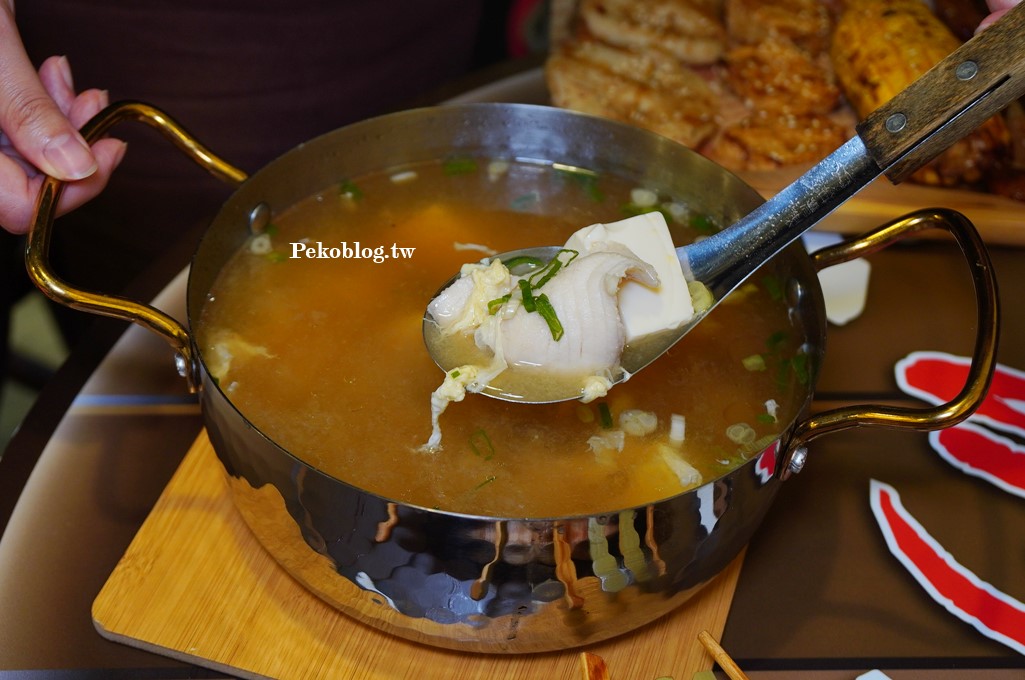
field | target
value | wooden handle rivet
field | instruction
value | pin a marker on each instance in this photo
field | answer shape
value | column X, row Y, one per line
column 966, row 70
column 896, row 122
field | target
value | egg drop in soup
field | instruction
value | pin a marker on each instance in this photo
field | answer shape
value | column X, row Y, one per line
column 314, row 332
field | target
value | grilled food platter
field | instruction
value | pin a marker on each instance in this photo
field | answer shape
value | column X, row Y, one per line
column 767, row 88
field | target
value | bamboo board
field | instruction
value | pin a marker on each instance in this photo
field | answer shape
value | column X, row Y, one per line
column 195, row 585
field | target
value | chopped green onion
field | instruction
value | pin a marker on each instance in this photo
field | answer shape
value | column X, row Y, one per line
column 741, row 433
column 543, row 275
column 703, row 224
column 783, row 375
column 800, row 366
column 605, row 415
column 523, row 261
column 776, row 340
column 454, row 374
column 700, row 296
column 481, row 444
column 766, row 418
column 528, row 297
column 547, row 273
column 586, row 179
column 349, row 190
column 773, row 287
column 496, row 304
column 755, row 362
column 547, row 312
column 525, row 201
column 271, row 229
column 459, row 166
column 276, row 257
column 487, row 480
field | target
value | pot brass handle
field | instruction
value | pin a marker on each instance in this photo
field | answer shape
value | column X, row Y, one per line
column 980, row 373
column 38, row 248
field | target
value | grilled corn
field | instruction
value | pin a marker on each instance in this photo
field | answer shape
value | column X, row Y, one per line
column 879, row 47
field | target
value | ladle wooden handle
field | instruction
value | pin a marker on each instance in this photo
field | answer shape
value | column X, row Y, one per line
column 983, row 364
column 953, row 98
column 38, row 248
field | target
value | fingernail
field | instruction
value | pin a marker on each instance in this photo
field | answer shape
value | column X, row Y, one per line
column 120, row 154
column 64, row 67
column 69, row 158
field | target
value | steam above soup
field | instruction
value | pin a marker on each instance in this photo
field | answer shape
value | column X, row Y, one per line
column 325, row 355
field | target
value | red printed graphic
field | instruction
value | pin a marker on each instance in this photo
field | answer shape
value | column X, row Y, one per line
column 937, row 377
column 765, row 466
column 982, row 453
column 993, row 613
column 975, row 448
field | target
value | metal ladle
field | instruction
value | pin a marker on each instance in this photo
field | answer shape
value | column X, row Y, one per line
column 948, row 102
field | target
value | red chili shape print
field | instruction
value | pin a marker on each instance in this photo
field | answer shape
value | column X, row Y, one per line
column 765, row 466
column 936, row 377
column 993, row 613
column 981, row 453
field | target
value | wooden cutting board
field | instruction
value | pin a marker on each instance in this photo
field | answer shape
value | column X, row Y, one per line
column 196, row 585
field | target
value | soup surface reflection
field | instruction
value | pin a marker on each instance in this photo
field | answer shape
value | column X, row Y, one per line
column 313, row 330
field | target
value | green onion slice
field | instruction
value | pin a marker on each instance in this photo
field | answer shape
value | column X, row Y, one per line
column 487, row 480
column 349, row 190
column 547, row 312
column 776, row 340
column 543, row 275
column 773, row 287
column 801, row 369
column 459, row 166
column 523, row 261
column 529, row 302
column 703, row 224
column 605, row 415
column 496, row 304
column 481, row 444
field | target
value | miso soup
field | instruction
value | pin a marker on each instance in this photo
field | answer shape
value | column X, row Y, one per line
column 313, row 330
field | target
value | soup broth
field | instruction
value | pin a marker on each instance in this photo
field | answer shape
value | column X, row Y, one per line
column 313, row 330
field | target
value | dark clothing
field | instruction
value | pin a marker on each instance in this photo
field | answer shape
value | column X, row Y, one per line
column 250, row 78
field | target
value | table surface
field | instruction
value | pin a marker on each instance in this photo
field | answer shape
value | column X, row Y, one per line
column 819, row 596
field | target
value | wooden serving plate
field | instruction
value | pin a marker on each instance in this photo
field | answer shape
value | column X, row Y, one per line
column 195, row 585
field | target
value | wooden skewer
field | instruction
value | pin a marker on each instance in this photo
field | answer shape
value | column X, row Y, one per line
column 721, row 657
column 593, row 667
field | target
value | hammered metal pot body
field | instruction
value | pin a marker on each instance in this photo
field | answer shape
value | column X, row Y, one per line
column 481, row 583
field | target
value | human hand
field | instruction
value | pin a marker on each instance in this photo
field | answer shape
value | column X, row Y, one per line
column 39, row 119
column 998, row 8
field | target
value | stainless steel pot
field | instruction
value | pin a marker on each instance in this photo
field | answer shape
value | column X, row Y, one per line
column 492, row 584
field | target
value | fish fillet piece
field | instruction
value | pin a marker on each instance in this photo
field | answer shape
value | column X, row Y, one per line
column 584, row 296
column 649, row 90
column 686, row 30
column 464, row 304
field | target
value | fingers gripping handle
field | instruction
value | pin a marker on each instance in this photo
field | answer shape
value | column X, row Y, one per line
column 38, row 248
